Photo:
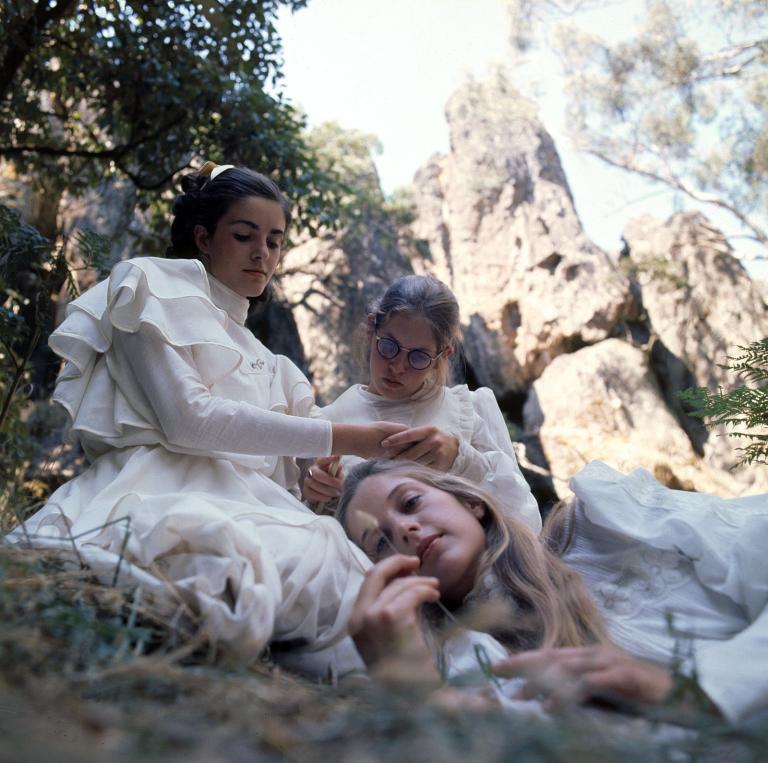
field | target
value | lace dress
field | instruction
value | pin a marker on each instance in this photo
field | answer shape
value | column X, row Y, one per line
column 679, row 576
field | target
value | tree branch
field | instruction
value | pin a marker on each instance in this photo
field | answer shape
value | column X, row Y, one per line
column 675, row 182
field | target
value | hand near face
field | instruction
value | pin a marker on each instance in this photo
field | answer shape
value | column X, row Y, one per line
column 428, row 445
column 578, row 674
column 323, row 481
column 386, row 619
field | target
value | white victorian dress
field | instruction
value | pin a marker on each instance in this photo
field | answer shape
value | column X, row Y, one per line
column 191, row 426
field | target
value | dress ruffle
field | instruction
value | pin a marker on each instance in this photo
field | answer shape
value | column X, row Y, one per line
column 244, row 576
column 216, row 535
column 173, row 297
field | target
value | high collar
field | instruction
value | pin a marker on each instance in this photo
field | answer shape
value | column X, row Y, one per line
column 425, row 392
column 235, row 306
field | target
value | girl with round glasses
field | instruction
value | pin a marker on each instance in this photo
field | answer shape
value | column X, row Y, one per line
column 411, row 333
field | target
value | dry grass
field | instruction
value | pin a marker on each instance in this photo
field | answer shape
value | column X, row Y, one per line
column 88, row 674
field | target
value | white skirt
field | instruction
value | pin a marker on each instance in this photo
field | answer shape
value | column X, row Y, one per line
column 251, row 561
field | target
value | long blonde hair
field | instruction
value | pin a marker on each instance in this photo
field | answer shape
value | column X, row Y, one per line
column 550, row 605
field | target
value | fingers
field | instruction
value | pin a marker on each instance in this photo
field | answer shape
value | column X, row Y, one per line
column 387, row 429
column 422, row 453
column 321, row 484
column 389, row 604
column 571, row 660
column 427, row 445
column 578, row 674
column 408, row 436
column 381, row 574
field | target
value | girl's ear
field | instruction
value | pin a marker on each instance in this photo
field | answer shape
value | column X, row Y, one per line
column 371, row 321
column 477, row 509
column 202, row 239
column 448, row 351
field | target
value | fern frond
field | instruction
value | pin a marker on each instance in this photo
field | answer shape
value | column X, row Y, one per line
column 752, row 363
column 741, row 409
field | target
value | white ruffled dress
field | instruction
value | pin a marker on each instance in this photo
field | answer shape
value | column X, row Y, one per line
column 485, row 456
column 679, row 575
column 192, row 427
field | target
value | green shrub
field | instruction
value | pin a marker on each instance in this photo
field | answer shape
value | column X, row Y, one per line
column 741, row 409
column 33, row 273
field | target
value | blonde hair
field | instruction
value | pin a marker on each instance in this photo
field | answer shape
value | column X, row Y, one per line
column 550, row 605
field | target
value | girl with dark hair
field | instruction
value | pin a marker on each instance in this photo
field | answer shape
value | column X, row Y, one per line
column 629, row 582
column 410, row 334
column 192, row 427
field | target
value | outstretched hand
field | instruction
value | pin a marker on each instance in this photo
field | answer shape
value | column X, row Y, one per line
column 428, row 445
column 386, row 619
column 579, row 674
column 363, row 440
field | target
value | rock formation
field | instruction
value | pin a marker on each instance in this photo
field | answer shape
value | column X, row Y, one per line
column 599, row 344
column 605, row 402
column 502, row 231
column 700, row 305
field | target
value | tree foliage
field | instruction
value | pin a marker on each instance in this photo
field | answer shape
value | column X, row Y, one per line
column 33, row 271
column 141, row 88
column 683, row 101
column 348, row 155
column 743, row 408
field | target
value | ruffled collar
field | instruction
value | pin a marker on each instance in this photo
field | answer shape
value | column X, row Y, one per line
column 235, row 306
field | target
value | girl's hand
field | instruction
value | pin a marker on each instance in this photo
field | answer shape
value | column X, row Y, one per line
column 323, row 480
column 430, row 446
column 386, row 619
column 579, row 674
column 363, row 440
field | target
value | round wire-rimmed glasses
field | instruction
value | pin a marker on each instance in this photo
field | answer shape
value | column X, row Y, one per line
column 419, row 360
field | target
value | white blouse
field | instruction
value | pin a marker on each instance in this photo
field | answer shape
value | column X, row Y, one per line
column 485, row 456
column 679, row 577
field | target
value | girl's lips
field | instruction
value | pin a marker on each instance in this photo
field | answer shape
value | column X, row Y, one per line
column 255, row 272
column 425, row 546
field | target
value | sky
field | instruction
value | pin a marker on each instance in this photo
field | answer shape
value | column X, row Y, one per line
column 388, row 68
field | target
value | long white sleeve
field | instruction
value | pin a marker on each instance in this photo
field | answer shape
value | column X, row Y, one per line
column 194, row 420
column 489, row 460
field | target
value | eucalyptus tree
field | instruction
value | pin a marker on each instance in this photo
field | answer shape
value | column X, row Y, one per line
column 681, row 99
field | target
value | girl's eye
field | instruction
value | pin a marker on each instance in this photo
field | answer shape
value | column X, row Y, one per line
column 273, row 244
column 241, row 236
column 380, row 547
column 411, row 503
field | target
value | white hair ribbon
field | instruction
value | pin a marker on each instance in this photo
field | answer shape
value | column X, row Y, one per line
column 216, row 171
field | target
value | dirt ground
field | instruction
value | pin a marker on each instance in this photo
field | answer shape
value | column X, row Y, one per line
column 86, row 677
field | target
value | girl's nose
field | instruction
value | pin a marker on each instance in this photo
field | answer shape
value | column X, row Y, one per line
column 408, row 531
column 400, row 362
column 260, row 251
